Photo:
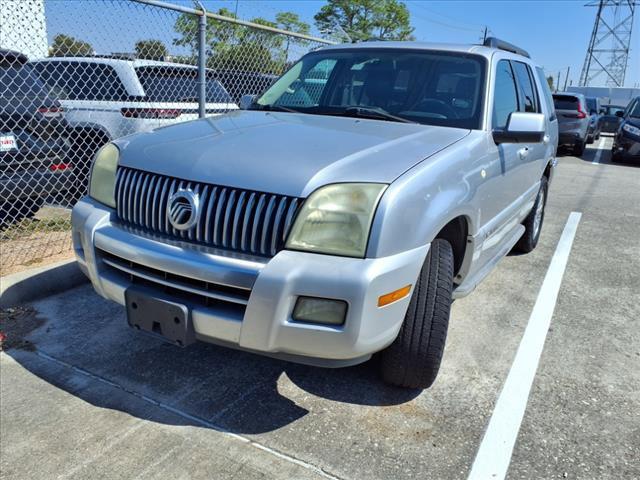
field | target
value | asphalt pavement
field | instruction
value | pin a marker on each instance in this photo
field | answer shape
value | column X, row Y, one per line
column 83, row 396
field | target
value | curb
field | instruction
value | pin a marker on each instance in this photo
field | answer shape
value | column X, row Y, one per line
column 36, row 283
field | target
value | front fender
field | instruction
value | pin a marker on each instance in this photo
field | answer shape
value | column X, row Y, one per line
column 423, row 200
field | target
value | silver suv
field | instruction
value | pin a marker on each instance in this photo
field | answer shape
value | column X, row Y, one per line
column 336, row 217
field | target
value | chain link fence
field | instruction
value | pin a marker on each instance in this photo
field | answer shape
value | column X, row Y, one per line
column 75, row 75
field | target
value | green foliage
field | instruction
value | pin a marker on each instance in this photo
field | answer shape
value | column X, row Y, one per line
column 550, row 82
column 151, row 50
column 236, row 47
column 67, row 46
column 366, row 19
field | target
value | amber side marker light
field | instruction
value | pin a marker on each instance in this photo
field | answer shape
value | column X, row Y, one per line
column 393, row 296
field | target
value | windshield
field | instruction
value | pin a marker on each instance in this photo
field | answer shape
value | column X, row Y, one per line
column 429, row 87
column 613, row 110
column 635, row 111
column 172, row 84
column 565, row 102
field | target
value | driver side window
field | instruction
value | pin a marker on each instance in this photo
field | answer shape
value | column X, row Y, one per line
column 505, row 96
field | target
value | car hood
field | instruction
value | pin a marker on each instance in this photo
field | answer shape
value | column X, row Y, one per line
column 285, row 153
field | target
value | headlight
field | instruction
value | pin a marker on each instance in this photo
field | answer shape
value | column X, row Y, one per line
column 336, row 219
column 631, row 129
column 103, row 175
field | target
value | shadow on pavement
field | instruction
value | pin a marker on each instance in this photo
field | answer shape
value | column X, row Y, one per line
column 229, row 389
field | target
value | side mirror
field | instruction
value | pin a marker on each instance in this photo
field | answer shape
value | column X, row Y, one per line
column 246, row 101
column 620, row 113
column 521, row 128
column 603, row 111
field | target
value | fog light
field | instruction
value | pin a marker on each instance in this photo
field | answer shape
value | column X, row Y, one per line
column 320, row 310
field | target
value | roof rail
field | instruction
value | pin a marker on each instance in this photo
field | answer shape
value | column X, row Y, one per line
column 493, row 42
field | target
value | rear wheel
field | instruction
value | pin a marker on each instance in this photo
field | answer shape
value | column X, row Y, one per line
column 578, row 148
column 533, row 222
column 413, row 359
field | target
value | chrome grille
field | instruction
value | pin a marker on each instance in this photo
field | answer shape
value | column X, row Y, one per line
column 230, row 218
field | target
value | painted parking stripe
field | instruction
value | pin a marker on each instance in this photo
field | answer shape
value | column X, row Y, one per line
column 601, row 147
column 496, row 448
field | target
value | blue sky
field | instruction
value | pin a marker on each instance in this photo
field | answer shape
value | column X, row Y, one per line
column 555, row 32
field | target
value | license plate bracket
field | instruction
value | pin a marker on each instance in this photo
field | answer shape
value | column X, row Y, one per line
column 159, row 315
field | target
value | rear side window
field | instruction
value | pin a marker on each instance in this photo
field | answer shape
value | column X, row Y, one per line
column 546, row 93
column 505, row 98
column 172, row 84
column 566, row 102
column 82, row 80
column 528, row 97
column 19, row 81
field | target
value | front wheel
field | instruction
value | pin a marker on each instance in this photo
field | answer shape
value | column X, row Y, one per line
column 413, row 359
column 533, row 222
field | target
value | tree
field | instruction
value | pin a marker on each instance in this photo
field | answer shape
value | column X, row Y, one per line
column 550, row 82
column 68, row 46
column 236, row 47
column 291, row 22
column 151, row 50
column 392, row 21
column 366, row 19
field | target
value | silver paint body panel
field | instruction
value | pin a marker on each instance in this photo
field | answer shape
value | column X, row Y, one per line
column 435, row 174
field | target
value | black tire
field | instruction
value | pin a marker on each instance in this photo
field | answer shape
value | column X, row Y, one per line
column 531, row 235
column 413, row 359
column 590, row 139
column 578, row 148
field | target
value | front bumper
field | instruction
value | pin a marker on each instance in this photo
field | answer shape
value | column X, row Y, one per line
column 255, row 296
column 626, row 146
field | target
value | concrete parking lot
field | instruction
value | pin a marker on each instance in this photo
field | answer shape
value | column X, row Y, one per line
column 83, row 396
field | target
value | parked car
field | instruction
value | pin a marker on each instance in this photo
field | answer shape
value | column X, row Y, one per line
column 595, row 118
column 34, row 149
column 626, row 143
column 610, row 120
column 573, row 121
column 336, row 217
column 239, row 83
column 107, row 98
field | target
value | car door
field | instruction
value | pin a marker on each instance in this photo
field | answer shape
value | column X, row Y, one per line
column 550, row 142
column 529, row 155
column 498, row 193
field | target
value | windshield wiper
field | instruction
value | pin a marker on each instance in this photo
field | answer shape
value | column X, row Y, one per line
column 273, row 108
column 373, row 113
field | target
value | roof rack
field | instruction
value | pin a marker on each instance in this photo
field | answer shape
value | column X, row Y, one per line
column 493, row 42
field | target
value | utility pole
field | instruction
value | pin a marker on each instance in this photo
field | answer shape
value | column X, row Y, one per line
column 566, row 79
column 484, row 36
column 558, row 81
column 608, row 50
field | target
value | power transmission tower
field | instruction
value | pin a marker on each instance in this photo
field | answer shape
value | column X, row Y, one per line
column 608, row 52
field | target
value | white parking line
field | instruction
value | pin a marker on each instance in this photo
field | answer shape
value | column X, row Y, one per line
column 601, row 147
column 494, row 454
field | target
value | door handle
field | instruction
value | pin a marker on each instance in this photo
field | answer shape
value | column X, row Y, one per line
column 546, row 139
column 523, row 153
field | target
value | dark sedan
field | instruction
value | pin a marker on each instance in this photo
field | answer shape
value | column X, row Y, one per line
column 33, row 144
column 626, row 143
column 610, row 121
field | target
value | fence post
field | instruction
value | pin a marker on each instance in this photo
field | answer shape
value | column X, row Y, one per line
column 202, row 60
